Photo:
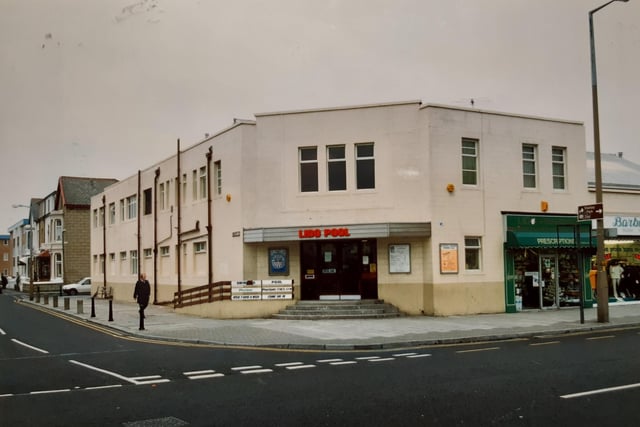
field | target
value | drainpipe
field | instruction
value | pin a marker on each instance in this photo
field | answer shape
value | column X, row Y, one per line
column 179, row 246
column 139, row 206
column 104, row 245
column 209, row 224
column 155, row 235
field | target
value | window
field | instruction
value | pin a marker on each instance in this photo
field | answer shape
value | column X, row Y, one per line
column 184, row 188
column 148, row 252
column 161, row 195
column 101, row 216
column 164, row 250
column 112, row 213
column 365, row 167
column 308, row 169
column 95, row 218
column 57, row 230
column 5, row 257
column 203, row 182
column 469, row 161
column 148, row 201
column 558, row 155
column 134, row 262
column 123, row 256
column 472, row 253
column 122, row 217
column 336, row 168
column 194, row 184
column 57, row 267
column 529, row 166
column 200, row 247
column 101, row 264
column 132, row 207
column 167, row 188
column 217, row 167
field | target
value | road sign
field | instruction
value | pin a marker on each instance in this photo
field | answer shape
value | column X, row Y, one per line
column 589, row 212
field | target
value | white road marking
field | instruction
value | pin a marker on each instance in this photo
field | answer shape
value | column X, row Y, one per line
column 367, row 357
column 544, row 343
column 415, row 356
column 101, row 387
column 51, row 391
column 346, row 362
column 404, row 354
column 386, row 359
column 475, row 350
column 29, row 346
column 2, row 332
column 206, row 371
column 245, row 368
column 605, row 337
column 328, row 360
column 257, row 371
column 137, row 381
column 602, row 390
column 205, row 376
column 301, row 367
column 6, row 395
column 284, row 365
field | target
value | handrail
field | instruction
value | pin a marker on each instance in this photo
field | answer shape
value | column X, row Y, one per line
column 217, row 291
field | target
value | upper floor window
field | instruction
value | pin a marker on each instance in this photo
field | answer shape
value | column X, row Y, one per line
column 112, row 213
column 336, row 168
column 365, row 166
column 194, row 184
column 217, row 167
column 184, row 188
column 529, row 165
column 199, row 247
column 57, row 230
column 95, row 218
column 469, row 161
column 308, row 169
column 122, row 211
column 203, row 182
column 472, row 252
column 148, row 201
column 132, row 207
column 558, row 159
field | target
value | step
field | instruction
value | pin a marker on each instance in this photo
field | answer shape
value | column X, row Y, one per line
column 342, row 309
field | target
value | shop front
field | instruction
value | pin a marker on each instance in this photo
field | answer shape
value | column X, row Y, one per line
column 547, row 259
column 622, row 248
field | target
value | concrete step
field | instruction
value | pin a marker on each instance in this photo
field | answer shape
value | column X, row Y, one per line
column 346, row 309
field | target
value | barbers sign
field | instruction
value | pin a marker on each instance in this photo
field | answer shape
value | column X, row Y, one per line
column 625, row 225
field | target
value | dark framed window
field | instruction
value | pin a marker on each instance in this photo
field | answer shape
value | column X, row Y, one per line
column 558, row 158
column 148, row 205
column 308, row 169
column 469, row 161
column 336, row 168
column 365, row 166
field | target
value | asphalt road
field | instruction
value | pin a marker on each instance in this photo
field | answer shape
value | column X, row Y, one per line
column 57, row 372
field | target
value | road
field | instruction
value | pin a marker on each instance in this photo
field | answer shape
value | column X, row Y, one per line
column 57, row 372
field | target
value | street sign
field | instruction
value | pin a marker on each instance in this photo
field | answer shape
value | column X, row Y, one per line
column 589, row 212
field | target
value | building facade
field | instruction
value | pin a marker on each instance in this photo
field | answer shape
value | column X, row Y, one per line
column 5, row 254
column 405, row 202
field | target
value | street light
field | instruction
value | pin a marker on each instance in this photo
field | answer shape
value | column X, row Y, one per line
column 601, row 279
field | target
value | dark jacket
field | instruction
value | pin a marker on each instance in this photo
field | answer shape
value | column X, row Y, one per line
column 142, row 292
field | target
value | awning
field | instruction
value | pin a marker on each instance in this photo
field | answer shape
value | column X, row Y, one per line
column 548, row 239
column 44, row 254
column 23, row 260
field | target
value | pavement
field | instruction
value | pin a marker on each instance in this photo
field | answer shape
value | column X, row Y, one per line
column 165, row 324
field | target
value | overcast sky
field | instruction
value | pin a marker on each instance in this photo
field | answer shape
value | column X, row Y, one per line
column 103, row 88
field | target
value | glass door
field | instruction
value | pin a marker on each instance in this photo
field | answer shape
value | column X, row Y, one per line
column 548, row 281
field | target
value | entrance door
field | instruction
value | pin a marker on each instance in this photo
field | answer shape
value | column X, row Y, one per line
column 548, row 281
column 335, row 270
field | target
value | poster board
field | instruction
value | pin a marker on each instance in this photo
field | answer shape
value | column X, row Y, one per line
column 448, row 258
column 400, row 258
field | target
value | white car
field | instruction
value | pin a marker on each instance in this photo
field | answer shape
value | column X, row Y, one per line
column 81, row 287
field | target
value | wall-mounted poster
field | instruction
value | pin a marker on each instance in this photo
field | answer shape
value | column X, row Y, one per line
column 278, row 262
column 448, row 258
column 400, row 258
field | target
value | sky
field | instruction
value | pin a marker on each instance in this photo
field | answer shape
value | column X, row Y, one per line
column 103, row 88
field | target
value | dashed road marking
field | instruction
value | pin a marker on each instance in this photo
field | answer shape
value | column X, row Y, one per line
column 475, row 350
column 64, row 390
column 2, row 332
column 344, row 362
column 416, row 356
column 29, row 346
column 536, row 344
column 404, row 354
column 328, row 360
column 152, row 379
column 605, row 337
column 602, row 390
column 284, row 365
column 385, row 359
column 245, row 368
column 367, row 357
column 300, row 367
column 257, row 371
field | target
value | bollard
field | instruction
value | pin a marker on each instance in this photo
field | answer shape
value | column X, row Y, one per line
column 110, row 310
column 46, row 299
column 60, row 290
column 93, row 307
column 79, row 304
column 38, row 298
column 66, row 303
column 55, row 301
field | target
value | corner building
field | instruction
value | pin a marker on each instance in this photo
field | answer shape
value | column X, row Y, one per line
column 405, row 202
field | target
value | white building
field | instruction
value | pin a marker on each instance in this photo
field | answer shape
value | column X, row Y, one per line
column 406, row 202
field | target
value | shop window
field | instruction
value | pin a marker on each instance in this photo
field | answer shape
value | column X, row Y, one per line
column 529, row 166
column 558, row 158
column 336, row 168
column 365, row 167
column 472, row 253
column 469, row 161
column 308, row 169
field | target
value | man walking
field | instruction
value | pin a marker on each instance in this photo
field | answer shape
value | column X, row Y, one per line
column 141, row 294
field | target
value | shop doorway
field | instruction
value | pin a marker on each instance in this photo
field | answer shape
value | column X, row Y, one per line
column 548, row 290
column 339, row 270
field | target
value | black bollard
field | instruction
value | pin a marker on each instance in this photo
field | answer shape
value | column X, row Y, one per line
column 110, row 310
column 93, row 307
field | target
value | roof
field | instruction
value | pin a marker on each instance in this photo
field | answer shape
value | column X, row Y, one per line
column 618, row 173
column 77, row 191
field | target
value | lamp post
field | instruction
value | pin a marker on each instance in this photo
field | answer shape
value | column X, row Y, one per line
column 602, row 286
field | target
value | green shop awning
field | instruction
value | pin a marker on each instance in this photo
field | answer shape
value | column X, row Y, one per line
column 547, row 239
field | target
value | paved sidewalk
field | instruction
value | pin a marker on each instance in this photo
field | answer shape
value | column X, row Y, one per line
column 165, row 324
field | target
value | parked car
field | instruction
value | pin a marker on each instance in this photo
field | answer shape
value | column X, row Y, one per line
column 81, row 287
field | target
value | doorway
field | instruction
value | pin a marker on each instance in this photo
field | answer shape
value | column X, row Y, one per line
column 548, row 290
column 339, row 270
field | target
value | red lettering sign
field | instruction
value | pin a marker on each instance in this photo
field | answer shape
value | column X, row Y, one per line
column 314, row 233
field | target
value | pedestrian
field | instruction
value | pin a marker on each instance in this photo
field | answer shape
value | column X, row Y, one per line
column 141, row 294
column 4, row 283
